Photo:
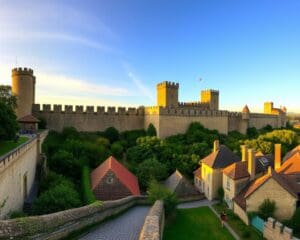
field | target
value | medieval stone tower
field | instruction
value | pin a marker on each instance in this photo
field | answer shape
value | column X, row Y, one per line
column 268, row 107
column 211, row 97
column 23, row 86
column 167, row 94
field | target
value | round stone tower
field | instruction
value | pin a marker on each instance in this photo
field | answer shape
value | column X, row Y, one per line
column 23, row 86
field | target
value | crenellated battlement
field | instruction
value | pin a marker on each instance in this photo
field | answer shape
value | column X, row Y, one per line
column 79, row 109
column 275, row 230
column 22, row 71
column 210, row 91
column 168, row 84
column 194, row 104
column 184, row 111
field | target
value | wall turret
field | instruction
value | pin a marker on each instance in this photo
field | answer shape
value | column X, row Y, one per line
column 23, row 86
column 210, row 97
column 246, row 113
column 167, row 94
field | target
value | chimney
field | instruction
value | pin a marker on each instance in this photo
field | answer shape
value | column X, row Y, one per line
column 277, row 161
column 216, row 145
column 251, row 163
column 244, row 152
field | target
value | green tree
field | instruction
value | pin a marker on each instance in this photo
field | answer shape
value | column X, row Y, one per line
column 112, row 134
column 7, row 97
column 58, row 198
column 151, row 130
column 8, row 122
column 221, row 194
column 158, row 192
column 150, row 169
column 267, row 209
column 294, row 222
column 252, row 132
column 87, row 193
column 117, row 150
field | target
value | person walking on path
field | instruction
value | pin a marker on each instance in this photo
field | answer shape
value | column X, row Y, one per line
column 223, row 218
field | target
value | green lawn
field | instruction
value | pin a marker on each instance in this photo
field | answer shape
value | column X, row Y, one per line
column 245, row 232
column 6, row 146
column 194, row 224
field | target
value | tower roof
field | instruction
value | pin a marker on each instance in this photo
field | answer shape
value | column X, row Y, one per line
column 246, row 109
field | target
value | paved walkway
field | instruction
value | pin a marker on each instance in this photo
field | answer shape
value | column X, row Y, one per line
column 125, row 227
column 195, row 204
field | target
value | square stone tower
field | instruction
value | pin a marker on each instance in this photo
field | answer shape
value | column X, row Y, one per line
column 167, row 94
column 210, row 97
column 268, row 107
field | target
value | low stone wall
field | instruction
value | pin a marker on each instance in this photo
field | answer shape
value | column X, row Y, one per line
column 241, row 213
column 154, row 223
column 274, row 230
column 61, row 224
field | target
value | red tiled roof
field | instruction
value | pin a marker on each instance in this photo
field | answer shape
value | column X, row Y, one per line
column 237, row 170
column 125, row 176
column 281, row 179
column 28, row 119
column 291, row 165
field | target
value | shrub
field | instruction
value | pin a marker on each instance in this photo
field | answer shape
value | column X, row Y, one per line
column 112, row 134
column 8, row 122
column 267, row 209
column 117, row 149
column 87, row 193
column 17, row 214
column 151, row 130
column 294, row 222
column 158, row 192
column 51, row 180
column 58, row 198
column 42, row 123
column 221, row 194
column 246, row 234
column 150, row 169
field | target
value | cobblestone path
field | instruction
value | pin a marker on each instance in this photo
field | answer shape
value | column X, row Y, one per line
column 125, row 227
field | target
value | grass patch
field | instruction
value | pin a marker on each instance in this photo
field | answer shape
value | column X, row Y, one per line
column 7, row 146
column 244, row 231
column 196, row 223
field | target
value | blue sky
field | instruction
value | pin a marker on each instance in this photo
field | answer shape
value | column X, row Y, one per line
column 114, row 52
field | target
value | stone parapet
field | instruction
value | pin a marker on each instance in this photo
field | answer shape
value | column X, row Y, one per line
column 60, row 224
column 275, row 230
column 154, row 223
column 101, row 110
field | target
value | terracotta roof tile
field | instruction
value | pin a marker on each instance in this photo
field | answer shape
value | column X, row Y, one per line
column 28, row 119
column 122, row 173
column 291, row 165
column 237, row 170
column 197, row 173
column 281, row 179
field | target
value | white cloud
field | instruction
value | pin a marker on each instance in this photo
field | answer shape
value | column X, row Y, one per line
column 49, row 84
column 138, row 82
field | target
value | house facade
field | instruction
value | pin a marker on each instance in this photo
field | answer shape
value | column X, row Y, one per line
column 247, row 184
column 208, row 177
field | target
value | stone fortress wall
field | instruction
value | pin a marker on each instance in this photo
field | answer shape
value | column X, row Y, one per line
column 17, row 174
column 169, row 116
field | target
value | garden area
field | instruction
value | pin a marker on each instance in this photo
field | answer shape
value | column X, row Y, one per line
column 196, row 223
column 8, row 145
column 244, row 231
